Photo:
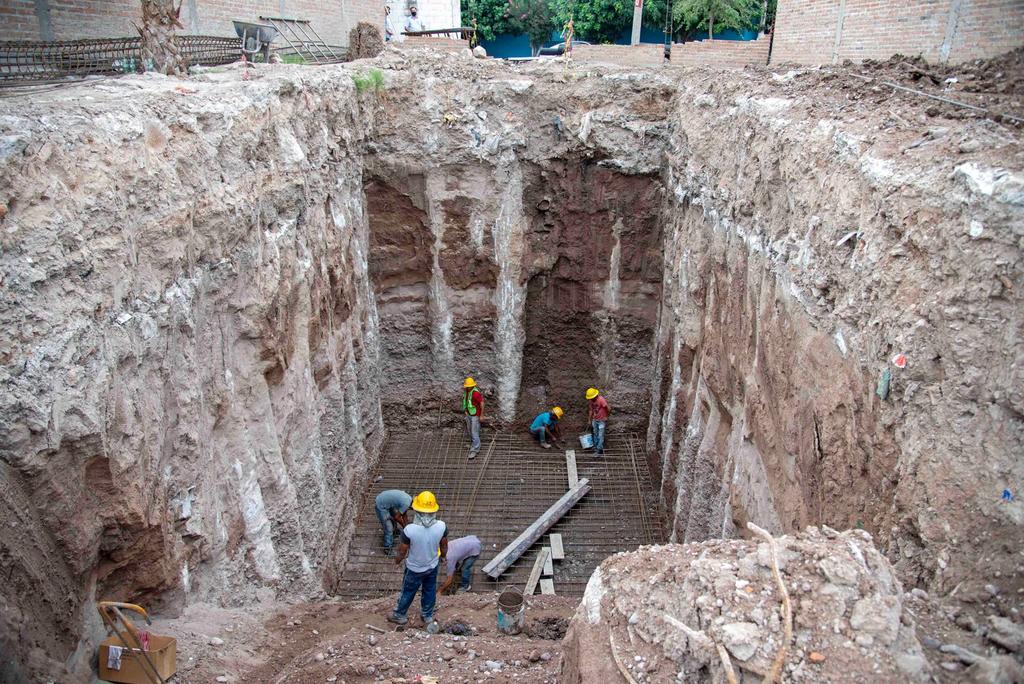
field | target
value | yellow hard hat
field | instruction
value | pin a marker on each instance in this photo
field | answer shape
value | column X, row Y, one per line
column 592, row 392
column 558, row 412
column 470, row 382
column 425, row 502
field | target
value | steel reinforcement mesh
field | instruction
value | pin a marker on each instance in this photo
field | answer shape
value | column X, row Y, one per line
column 42, row 62
column 498, row 495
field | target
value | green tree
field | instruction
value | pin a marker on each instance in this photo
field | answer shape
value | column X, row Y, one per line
column 532, row 17
column 490, row 15
column 604, row 21
column 718, row 14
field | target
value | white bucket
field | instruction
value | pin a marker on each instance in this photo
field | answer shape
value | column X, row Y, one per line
column 587, row 440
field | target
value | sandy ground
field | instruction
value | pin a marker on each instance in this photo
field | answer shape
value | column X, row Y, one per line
column 330, row 642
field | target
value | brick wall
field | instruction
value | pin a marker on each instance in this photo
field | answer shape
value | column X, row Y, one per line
column 73, row 19
column 722, row 53
column 826, row 31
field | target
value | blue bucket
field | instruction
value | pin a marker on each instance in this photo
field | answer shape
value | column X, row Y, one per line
column 587, row 440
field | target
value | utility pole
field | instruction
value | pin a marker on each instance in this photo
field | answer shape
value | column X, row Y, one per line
column 638, row 17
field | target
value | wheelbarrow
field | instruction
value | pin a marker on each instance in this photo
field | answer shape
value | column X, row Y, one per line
column 148, row 658
column 256, row 38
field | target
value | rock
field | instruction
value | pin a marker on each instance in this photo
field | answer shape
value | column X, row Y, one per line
column 216, row 641
column 816, row 657
column 919, row 593
column 879, row 617
column 222, row 679
column 960, row 653
column 372, row 640
column 479, row 52
column 494, row 665
column 996, row 670
column 742, row 639
column 545, row 656
column 534, row 656
column 319, row 657
column 930, row 642
column 1006, row 633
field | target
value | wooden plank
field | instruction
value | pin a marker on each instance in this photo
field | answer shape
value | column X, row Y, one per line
column 570, row 465
column 557, row 553
column 508, row 555
column 543, row 558
column 549, row 569
column 547, row 586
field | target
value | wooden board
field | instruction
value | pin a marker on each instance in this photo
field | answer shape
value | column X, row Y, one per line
column 556, row 547
column 549, row 569
column 570, row 465
column 547, row 586
column 542, row 560
column 508, row 555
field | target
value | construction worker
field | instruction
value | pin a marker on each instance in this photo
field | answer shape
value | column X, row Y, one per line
column 424, row 543
column 598, row 414
column 391, row 506
column 473, row 407
column 462, row 554
column 545, row 426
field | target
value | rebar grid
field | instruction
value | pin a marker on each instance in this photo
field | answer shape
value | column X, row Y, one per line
column 500, row 493
column 42, row 62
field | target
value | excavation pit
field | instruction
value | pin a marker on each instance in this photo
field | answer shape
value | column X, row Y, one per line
column 518, row 481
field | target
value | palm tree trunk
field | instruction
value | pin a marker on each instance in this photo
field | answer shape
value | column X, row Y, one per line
column 159, row 42
column 711, row 26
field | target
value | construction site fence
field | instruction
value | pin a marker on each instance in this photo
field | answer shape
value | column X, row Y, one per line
column 48, row 62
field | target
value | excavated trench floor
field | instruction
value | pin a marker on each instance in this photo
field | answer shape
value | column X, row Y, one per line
column 500, row 493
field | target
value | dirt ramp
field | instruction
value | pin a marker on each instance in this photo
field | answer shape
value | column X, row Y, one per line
column 660, row 614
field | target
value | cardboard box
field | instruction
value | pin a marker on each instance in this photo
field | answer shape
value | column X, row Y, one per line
column 163, row 651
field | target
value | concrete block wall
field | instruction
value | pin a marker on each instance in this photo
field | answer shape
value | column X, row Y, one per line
column 829, row 31
column 722, row 53
column 645, row 54
column 75, row 19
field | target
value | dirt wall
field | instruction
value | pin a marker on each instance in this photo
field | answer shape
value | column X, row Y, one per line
column 189, row 351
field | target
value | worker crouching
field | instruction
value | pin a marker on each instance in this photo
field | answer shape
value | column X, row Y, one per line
column 423, row 544
column 545, row 427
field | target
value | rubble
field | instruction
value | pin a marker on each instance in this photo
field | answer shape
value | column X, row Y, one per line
column 669, row 606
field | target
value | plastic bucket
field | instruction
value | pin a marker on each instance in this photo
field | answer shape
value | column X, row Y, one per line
column 511, row 611
column 587, row 440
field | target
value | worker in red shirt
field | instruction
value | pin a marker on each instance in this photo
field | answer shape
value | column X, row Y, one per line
column 599, row 411
column 473, row 407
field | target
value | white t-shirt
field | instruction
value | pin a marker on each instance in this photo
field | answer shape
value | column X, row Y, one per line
column 424, row 545
column 413, row 24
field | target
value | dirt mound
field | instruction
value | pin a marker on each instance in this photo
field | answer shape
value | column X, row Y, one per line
column 364, row 41
column 553, row 628
column 664, row 612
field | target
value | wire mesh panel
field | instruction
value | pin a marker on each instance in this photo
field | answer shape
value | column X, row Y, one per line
column 39, row 62
column 499, row 494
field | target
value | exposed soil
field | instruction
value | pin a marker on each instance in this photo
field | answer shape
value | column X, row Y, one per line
column 313, row 643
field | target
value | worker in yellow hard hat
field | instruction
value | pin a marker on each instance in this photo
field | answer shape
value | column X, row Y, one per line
column 473, row 408
column 545, row 426
column 423, row 545
column 598, row 414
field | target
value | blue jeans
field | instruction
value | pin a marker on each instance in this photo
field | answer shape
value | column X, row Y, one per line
column 384, row 516
column 467, row 571
column 539, row 434
column 597, row 428
column 413, row 582
column 473, row 427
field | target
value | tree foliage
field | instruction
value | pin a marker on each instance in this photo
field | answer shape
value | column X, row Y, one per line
column 532, row 17
column 717, row 15
column 491, row 17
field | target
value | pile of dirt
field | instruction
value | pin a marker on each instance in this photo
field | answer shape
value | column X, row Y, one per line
column 663, row 612
column 364, row 41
